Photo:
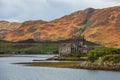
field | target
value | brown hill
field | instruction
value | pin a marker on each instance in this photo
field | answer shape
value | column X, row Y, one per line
column 6, row 27
column 97, row 25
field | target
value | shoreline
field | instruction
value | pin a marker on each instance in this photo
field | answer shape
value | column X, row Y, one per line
column 73, row 65
column 5, row 55
column 20, row 55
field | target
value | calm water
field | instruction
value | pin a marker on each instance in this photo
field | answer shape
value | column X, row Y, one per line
column 10, row 71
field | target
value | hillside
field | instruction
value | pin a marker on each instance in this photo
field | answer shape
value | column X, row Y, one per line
column 97, row 25
column 6, row 27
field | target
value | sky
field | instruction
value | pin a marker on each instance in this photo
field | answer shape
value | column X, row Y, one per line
column 24, row 10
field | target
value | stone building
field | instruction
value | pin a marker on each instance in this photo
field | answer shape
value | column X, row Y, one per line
column 64, row 49
column 77, row 45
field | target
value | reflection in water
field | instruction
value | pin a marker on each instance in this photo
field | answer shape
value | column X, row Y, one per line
column 10, row 71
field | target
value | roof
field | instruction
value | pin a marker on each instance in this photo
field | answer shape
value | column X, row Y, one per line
column 65, row 44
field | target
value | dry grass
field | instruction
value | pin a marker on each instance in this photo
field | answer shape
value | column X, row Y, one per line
column 52, row 64
column 5, row 55
column 72, row 64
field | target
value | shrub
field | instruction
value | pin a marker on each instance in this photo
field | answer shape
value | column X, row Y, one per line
column 32, row 29
column 95, row 54
column 115, row 58
column 76, row 54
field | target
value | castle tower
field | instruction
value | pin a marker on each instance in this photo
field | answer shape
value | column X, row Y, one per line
column 82, row 40
column 73, row 43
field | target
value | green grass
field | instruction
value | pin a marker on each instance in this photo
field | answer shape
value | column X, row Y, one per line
column 29, row 48
column 88, row 25
column 32, row 29
column 82, row 30
column 108, row 54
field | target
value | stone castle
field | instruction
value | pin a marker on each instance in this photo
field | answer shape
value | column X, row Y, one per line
column 77, row 45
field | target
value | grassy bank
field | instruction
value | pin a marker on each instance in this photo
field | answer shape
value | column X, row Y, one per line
column 67, row 59
column 5, row 55
column 27, row 48
column 12, row 55
column 74, row 65
column 51, row 64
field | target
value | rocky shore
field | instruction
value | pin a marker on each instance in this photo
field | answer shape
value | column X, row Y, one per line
column 99, row 66
column 75, row 65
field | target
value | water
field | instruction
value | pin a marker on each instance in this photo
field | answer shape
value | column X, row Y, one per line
column 10, row 71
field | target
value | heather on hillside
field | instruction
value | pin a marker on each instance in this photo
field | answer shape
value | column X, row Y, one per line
column 97, row 25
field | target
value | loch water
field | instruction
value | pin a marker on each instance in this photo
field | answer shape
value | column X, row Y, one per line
column 9, row 71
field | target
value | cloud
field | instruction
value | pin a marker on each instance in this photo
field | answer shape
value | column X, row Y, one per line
column 112, row 0
column 22, row 10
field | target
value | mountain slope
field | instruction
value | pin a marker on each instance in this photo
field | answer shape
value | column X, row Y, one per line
column 6, row 27
column 97, row 25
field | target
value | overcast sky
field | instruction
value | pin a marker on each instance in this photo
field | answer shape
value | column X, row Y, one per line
column 22, row 10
